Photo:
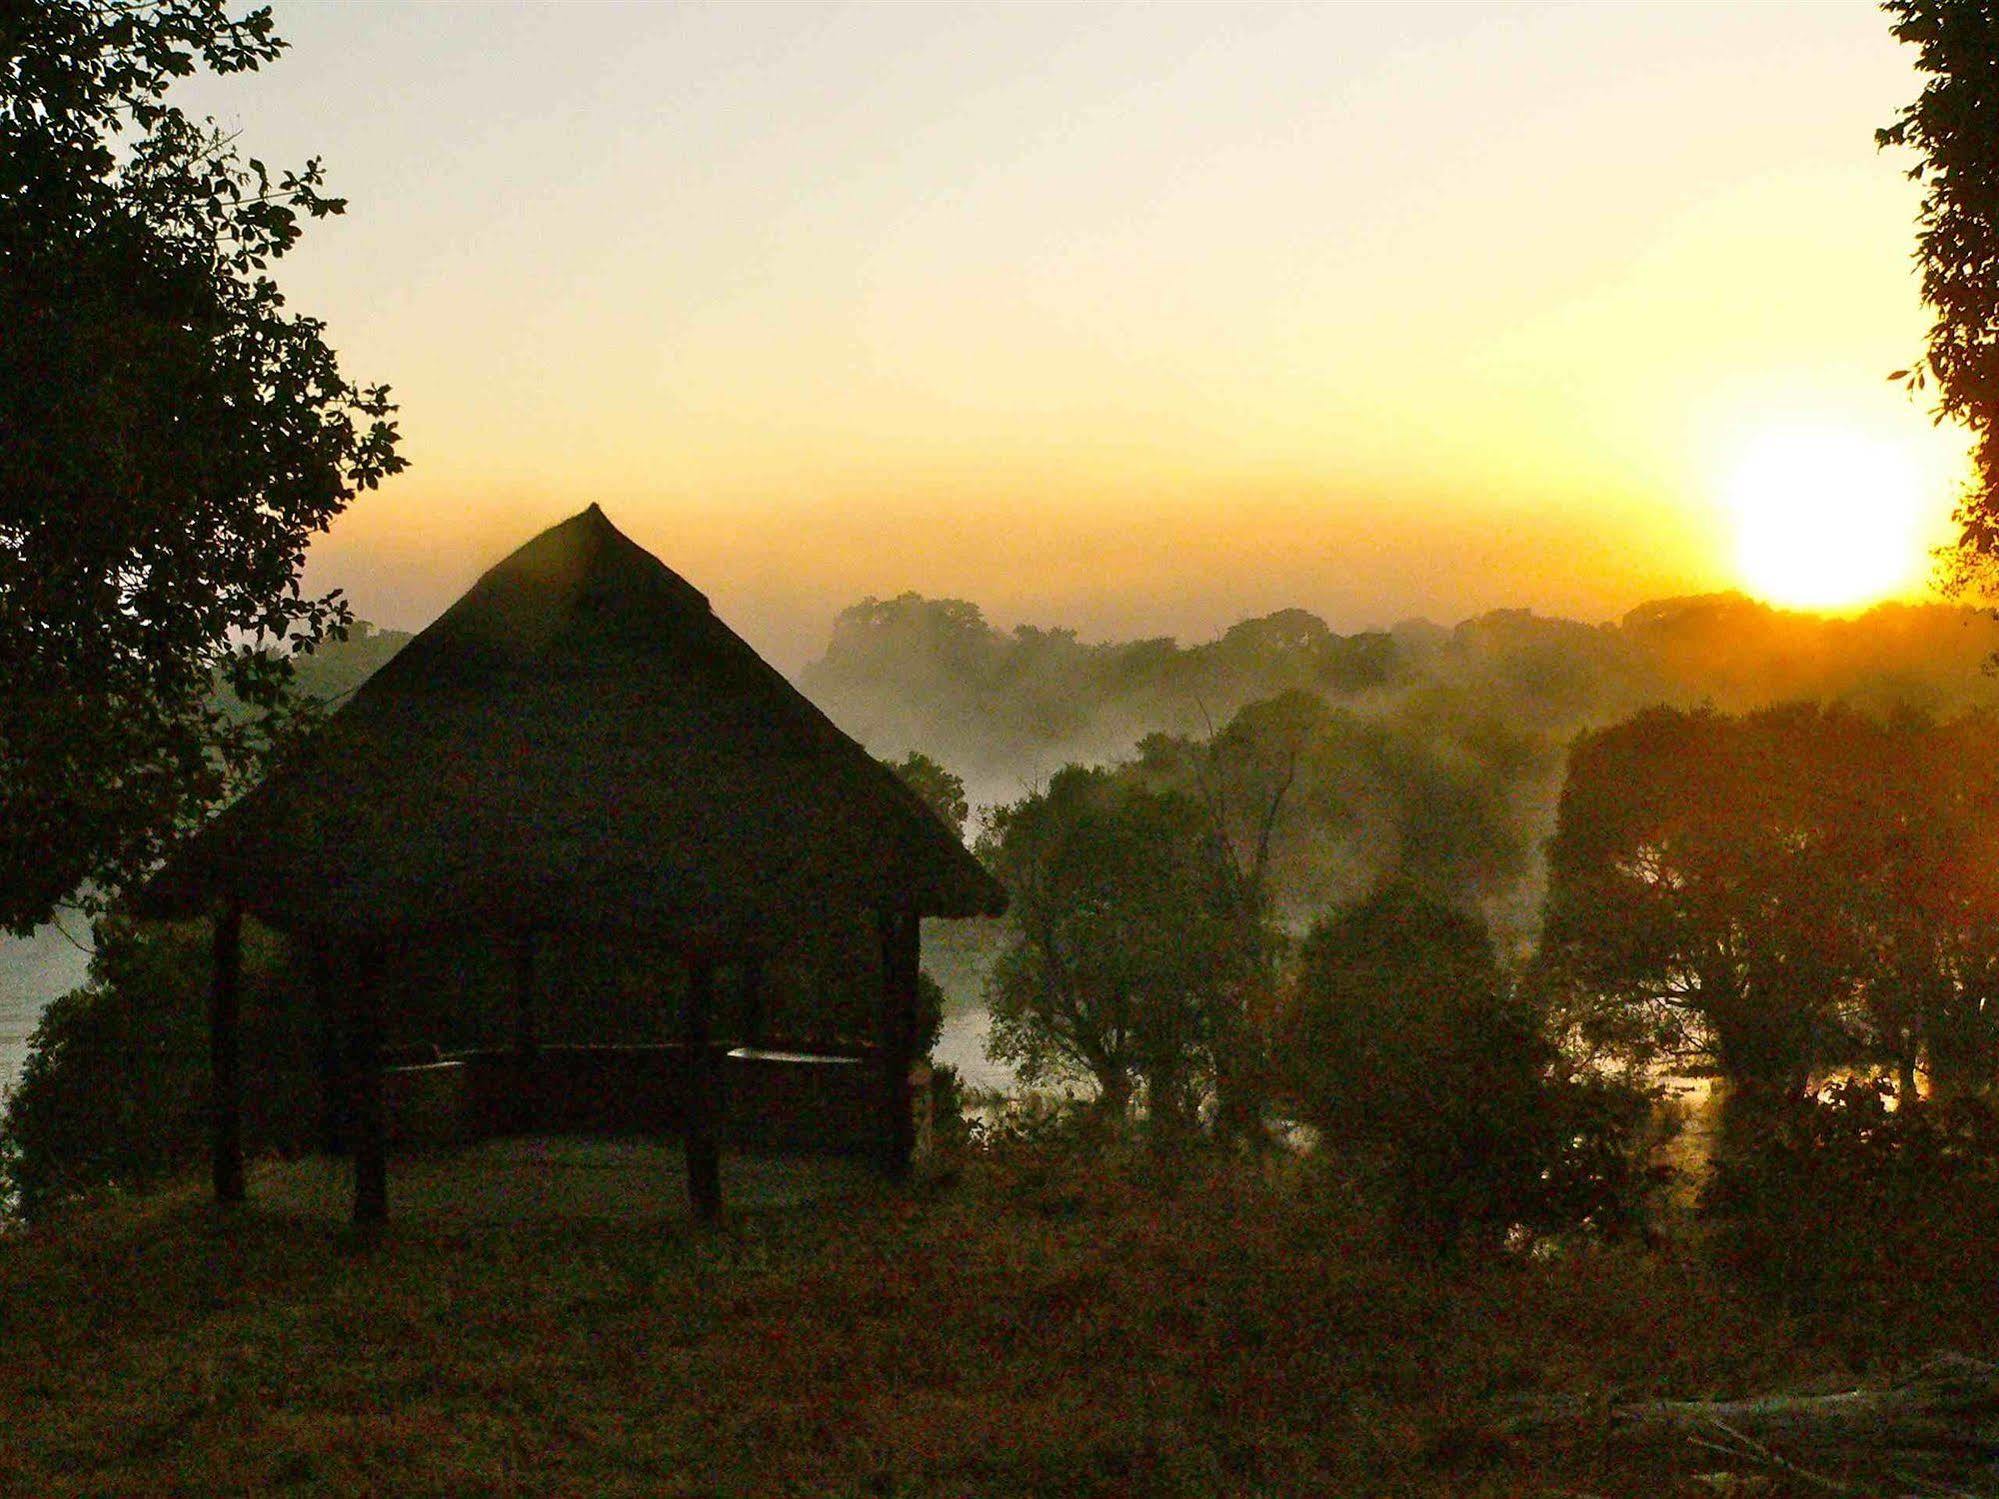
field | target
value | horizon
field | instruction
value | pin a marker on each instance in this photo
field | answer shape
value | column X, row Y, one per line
column 367, row 627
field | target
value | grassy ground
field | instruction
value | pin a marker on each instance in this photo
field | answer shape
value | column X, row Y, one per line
column 1034, row 1327
column 551, row 1179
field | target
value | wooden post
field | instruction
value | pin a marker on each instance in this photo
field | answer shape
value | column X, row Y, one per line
column 704, row 1161
column 527, row 1111
column 901, row 958
column 224, row 1055
column 370, row 1141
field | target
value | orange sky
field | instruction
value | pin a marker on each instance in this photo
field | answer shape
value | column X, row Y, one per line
column 1135, row 318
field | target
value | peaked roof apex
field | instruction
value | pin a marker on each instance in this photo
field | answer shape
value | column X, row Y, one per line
column 531, row 596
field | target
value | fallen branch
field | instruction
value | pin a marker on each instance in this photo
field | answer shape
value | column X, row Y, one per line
column 1935, row 1430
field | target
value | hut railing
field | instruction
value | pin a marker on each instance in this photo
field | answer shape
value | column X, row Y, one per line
column 781, row 1094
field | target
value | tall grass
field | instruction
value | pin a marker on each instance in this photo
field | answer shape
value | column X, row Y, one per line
column 1045, row 1321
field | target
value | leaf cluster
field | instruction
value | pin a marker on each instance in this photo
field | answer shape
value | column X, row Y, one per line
column 1422, row 1067
column 1953, row 126
column 1831, row 1200
column 936, row 787
column 114, row 1096
column 1123, row 947
column 1781, row 893
column 171, row 438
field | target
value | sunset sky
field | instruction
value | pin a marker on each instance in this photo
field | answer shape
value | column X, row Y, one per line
column 1139, row 319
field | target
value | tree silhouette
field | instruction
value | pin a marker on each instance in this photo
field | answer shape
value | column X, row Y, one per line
column 1690, row 887
column 1953, row 125
column 1403, row 1042
column 936, row 787
column 1122, row 947
column 1785, row 892
column 1914, row 832
column 171, row 437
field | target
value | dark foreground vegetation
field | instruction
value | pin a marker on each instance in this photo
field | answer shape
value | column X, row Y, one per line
column 1459, row 1286
column 1044, row 1318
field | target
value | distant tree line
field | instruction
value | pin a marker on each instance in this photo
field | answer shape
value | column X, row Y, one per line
column 1441, row 752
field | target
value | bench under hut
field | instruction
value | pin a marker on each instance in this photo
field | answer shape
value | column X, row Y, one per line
column 577, row 754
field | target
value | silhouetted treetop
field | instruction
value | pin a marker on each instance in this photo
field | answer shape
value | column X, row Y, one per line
column 1953, row 127
column 171, row 437
column 1783, row 892
column 939, row 790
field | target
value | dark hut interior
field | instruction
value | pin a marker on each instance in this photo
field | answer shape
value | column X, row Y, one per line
column 578, row 859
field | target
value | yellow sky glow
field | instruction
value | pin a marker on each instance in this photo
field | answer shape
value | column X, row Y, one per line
column 1138, row 319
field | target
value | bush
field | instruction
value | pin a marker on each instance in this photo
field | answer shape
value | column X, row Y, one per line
column 949, row 1129
column 114, row 1095
column 1839, row 1200
column 1439, row 1083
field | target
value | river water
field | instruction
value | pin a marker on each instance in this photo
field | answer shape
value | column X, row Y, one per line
column 33, row 971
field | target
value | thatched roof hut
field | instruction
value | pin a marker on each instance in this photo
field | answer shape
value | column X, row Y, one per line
column 577, row 743
column 576, row 740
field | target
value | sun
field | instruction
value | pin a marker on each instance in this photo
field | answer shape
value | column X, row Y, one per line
column 1827, row 519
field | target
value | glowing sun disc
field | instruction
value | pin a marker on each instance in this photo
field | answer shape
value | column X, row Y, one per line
column 1825, row 519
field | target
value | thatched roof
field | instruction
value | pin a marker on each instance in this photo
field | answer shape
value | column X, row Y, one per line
column 577, row 742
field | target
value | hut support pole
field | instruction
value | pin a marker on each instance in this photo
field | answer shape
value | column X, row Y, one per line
column 370, row 1143
column 527, row 1038
column 704, row 1159
column 224, row 1056
column 901, row 952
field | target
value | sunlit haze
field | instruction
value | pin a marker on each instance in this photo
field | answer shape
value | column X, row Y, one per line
column 1138, row 319
column 1826, row 518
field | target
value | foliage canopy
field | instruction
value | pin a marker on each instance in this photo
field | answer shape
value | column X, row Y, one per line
column 114, row 1095
column 1408, row 1049
column 936, row 787
column 1123, row 947
column 1784, row 892
column 171, row 437
column 1953, row 126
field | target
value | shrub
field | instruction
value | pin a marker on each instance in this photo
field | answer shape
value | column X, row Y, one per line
column 1840, row 1200
column 1416, row 1061
column 949, row 1129
column 114, row 1095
